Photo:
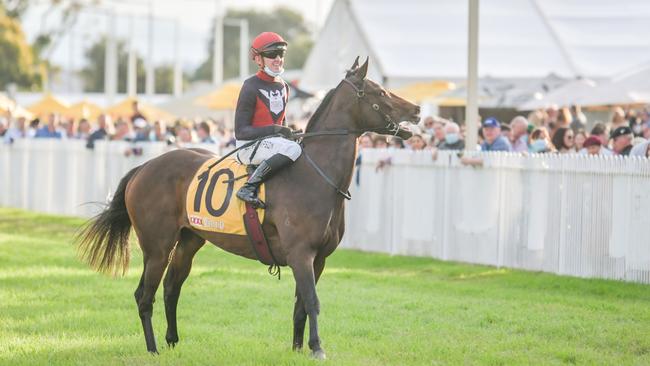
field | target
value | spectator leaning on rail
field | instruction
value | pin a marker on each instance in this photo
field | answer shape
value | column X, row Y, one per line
column 540, row 142
column 453, row 139
column 563, row 140
column 51, row 130
column 17, row 131
column 519, row 134
column 260, row 112
column 494, row 141
column 438, row 132
column 622, row 140
column 593, row 145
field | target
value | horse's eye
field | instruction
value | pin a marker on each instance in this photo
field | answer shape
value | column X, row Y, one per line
column 383, row 93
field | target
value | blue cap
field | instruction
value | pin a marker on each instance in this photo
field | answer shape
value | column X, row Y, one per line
column 491, row 122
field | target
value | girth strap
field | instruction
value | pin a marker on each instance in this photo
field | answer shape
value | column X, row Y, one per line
column 258, row 240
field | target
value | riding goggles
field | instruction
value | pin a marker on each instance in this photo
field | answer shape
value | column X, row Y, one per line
column 273, row 54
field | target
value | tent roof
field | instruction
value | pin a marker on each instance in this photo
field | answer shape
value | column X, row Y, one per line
column 517, row 38
column 7, row 104
column 84, row 109
column 49, row 104
column 630, row 87
column 125, row 109
column 223, row 98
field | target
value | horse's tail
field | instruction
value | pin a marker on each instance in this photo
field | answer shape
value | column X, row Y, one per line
column 103, row 242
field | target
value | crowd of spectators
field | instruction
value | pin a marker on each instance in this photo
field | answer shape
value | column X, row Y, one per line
column 553, row 130
column 135, row 128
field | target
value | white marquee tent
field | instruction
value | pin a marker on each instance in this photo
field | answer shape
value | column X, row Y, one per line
column 415, row 40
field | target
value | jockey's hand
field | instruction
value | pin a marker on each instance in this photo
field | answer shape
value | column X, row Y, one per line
column 284, row 131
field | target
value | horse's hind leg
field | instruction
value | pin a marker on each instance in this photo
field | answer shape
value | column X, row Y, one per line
column 177, row 271
column 155, row 250
column 299, row 312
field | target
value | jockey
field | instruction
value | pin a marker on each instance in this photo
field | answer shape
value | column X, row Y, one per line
column 261, row 112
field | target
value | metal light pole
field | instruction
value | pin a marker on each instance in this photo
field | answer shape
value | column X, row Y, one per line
column 471, row 107
column 150, row 77
column 178, row 72
column 243, row 48
column 243, row 44
column 132, row 67
column 217, row 55
column 110, row 61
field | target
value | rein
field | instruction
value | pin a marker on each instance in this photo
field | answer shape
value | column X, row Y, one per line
column 391, row 127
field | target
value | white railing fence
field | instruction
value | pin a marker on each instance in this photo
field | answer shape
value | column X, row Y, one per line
column 65, row 177
column 575, row 215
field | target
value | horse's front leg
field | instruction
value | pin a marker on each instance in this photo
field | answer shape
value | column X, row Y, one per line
column 299, row 312
column 302, row 265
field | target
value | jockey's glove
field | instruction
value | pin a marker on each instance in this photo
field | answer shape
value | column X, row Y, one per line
column 284, row 131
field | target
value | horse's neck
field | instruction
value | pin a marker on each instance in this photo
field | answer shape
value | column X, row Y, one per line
column 334, row 154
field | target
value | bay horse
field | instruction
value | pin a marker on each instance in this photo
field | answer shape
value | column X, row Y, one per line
column 304, row 219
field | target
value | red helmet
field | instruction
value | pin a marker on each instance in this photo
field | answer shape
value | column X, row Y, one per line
column 267, row 41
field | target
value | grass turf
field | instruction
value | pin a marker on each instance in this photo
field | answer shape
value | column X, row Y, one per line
column 375, row 310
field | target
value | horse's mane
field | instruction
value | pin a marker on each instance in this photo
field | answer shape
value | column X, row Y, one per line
column 319, row 111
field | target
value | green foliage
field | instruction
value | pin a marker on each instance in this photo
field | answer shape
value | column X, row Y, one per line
column 14, row 8
column 93, row 73
column 17, row 62
column 281, row 20
column 375, row 310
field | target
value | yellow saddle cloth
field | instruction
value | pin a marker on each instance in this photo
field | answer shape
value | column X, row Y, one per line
column 211, row 201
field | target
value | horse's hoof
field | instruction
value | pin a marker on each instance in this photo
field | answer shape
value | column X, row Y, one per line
column 171, row 344
column 318, row 355
column 297, row 347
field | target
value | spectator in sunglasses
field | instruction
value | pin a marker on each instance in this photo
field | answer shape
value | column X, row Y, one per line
column 260, row 114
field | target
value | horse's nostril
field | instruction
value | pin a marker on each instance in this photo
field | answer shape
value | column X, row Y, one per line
column 417, row 109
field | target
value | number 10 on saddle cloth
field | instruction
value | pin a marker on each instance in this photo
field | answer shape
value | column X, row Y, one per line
column 211, row 202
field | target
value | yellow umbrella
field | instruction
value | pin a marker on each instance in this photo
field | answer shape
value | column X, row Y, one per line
column 85, row 109
column 49, row 104
column 224, row 98
column 424, row 91
column 125, row 109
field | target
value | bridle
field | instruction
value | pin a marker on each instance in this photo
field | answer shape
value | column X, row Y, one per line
column 391, row 126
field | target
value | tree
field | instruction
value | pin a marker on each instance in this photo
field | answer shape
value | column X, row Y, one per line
column 17, row 64
column 93, row 73
column 47, row 39
column 281, row 20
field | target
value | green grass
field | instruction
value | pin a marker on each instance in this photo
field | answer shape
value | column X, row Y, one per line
column 375, row 310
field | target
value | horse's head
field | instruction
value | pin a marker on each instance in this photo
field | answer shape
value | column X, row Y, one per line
column 379, row 110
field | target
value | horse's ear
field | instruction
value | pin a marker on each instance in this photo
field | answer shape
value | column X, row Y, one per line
column 353, row 69
column 355, row 64
column 363, row 70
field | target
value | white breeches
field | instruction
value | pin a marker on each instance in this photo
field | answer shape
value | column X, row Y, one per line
column 267, row 148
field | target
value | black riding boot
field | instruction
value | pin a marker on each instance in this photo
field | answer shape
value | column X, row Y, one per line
column 270, row 166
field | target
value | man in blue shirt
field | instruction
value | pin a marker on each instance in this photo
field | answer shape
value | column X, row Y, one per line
column 51, row 130
column 494, row 141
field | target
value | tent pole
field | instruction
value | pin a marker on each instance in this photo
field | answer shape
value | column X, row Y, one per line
column 471, row 107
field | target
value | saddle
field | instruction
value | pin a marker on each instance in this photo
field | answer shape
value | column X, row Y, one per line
column 211, row 205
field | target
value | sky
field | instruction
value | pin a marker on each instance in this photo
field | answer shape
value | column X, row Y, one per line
column 193, row 17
